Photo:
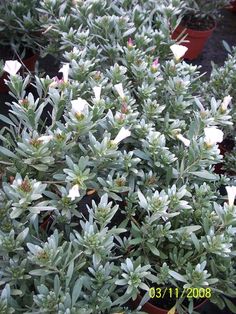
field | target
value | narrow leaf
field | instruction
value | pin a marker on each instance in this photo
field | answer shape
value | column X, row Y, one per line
column 172, row 310
column 204, row 174
column 76, row 290
column 6, row 120
column 7, row 152
column 177, row 276
column 230, row 305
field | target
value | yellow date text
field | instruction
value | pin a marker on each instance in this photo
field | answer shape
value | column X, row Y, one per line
column 190, row 293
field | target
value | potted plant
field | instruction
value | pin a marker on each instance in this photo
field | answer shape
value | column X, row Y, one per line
column 180, row 206
column 20, row 35
column 132, row 17
column 232, row 6
column 221, row 85
column 133, row 130
column 199, row 19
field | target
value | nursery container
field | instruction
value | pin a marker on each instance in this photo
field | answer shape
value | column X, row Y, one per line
column 196, row 40
column 152, row 309
column 232, row 6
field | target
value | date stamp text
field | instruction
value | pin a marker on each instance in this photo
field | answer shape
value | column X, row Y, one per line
column 190, row 293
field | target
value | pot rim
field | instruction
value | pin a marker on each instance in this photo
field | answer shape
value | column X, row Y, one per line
column 193, row 32
column 156, row 308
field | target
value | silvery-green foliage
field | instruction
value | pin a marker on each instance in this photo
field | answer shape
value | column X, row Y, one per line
column 104, row 211
column 20, row 26
column 221, row 84
column 116, row 190
column 149, row 22
column 206, row 8
column 24, row 195
column 133, row 275
column 6, row 301
column 156, row 170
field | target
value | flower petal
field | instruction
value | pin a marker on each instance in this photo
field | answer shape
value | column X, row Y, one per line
column 12, row 66
column 80, row 106
column 226, row 101
column 178, row 51
column 45, row 138
column 74, row 192
column 183, row 139
column 213, row 136
column 231, row 191
column 120, row 91
column 65, row 71
column 97, row 92
column 123, row 133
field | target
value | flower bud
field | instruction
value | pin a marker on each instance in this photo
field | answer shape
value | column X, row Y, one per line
column 155, row 65
column 130, row 43
column 183, row 139
column 226, row 101
column 120, row 91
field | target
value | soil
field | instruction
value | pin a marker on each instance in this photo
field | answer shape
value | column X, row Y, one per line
column 198, row 23
column 169, row 300
column 202, row 306
column 214, row 49
column 7, row 53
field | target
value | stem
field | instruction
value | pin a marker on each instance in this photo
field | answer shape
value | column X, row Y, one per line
column 135, row 221
column 21, row 61
column 53, row 182
column 187, row 169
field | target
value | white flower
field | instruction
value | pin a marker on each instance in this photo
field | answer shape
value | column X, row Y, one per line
column 120, row 91
column 80, row 106
column 74, row 192
column 226, row 101
column 97, row 92
column 213, row 136
column 183, row 139
column 45, row 138
column 12, row 67
column 178, row 51
column 231, row 191
column 123, row 133
column 65, row 71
